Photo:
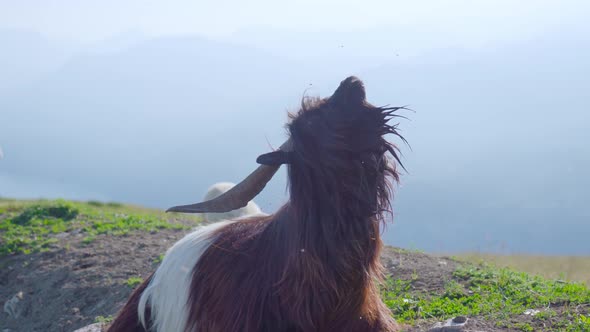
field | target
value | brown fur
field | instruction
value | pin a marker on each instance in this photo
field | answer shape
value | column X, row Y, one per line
column 313, row 265
column 127, row 319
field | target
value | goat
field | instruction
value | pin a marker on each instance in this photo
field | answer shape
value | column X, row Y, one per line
column 219, row 188
column 311, row 266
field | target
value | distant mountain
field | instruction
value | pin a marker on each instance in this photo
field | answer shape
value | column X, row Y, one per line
column 500, row 147
column 117, row 43
column 26, row 57
column 173, row 115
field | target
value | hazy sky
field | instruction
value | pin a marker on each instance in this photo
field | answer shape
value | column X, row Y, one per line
column 469, row 21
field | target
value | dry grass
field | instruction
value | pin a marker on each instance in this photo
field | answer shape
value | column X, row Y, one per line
column 571, row 268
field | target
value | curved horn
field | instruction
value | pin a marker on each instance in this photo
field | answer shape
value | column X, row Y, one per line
column 240, row 194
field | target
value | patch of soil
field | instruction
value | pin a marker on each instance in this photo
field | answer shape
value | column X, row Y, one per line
column 66, row 289
column 430, row 272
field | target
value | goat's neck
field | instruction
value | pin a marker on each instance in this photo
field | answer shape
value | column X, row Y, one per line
column 332, row 229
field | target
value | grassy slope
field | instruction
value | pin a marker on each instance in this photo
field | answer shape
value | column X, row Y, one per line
column 571, row 268
column 33, row 226
column 498, row 296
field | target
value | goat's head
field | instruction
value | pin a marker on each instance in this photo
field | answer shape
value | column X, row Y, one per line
column 336, row 142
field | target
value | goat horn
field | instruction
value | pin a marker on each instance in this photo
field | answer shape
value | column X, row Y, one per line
column 239, row 195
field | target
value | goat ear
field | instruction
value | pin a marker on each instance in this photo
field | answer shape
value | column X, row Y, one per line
column 275, row 158
column 350, row 92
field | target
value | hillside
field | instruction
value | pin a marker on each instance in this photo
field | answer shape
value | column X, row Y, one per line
column 574, row 268
column 64, row 265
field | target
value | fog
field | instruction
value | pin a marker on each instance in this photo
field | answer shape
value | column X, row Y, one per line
column 498, row 135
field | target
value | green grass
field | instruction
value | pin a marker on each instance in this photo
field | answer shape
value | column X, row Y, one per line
column 60, row 210
column 103, row 319
column 572, row 268
column 159, row 259
column 133, row 282
column 497, row 294
column 33, row 226
column 88, row 239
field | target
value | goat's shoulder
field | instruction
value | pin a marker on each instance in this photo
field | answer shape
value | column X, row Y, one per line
column 242, row 234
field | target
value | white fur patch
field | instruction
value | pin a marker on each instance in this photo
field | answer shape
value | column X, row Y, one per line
column 168, row 290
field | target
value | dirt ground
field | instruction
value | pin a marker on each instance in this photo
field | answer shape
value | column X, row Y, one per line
column 67, row 288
